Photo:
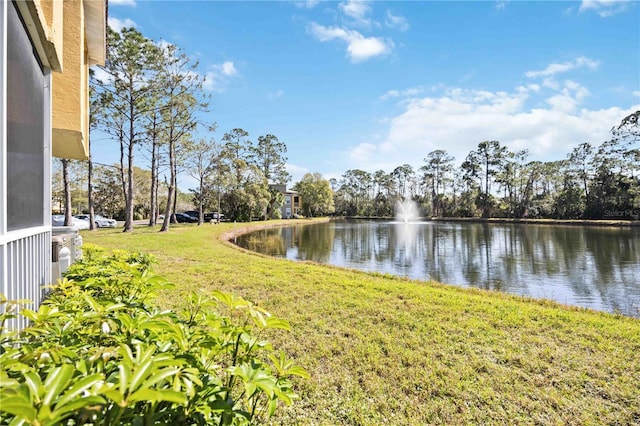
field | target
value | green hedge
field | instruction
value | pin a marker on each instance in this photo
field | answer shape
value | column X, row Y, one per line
column 98, row 352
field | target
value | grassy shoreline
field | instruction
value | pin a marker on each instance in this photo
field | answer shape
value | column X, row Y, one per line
column 388, row 350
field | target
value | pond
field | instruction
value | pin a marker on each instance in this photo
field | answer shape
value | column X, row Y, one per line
column 593, row 267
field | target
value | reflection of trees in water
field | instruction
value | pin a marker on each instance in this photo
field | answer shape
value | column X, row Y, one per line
column 439, row 241
column 266, row 242
column 314, row 242
column 357, row 243
column 615, row 254
column 383, row 245
column 597, row 267
column 592, row 265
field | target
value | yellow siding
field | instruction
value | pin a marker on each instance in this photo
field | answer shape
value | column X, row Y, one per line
column 44, row 22
column 53, row 16
column 70, row 89
column 68, row 41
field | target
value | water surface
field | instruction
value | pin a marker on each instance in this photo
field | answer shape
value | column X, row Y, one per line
column 594, row 267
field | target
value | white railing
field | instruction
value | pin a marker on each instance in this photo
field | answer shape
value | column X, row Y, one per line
column 25, row 268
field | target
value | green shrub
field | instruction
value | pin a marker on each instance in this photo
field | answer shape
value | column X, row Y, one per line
column 98, row 352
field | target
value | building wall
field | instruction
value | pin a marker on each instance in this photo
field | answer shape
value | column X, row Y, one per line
column 39, row 38
column 291, row 207
column 71, row 88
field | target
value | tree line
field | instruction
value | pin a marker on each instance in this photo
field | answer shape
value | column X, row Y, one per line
column 150, row 100
column 594, row 182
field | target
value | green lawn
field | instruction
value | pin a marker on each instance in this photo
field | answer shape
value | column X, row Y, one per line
column 384, row 350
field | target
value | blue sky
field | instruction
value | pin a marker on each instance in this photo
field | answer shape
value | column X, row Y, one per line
column 373, row 85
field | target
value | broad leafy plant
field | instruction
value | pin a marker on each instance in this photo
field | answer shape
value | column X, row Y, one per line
column 98, row 352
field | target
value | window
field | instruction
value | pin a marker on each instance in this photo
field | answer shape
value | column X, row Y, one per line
column 25, row 128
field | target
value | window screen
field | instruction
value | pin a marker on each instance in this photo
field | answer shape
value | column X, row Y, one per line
column 25, row 128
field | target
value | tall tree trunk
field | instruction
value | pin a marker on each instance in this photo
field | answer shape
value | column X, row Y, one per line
column 157, row 189
column 128, row 209
column 67, row 193
column 201, row 203
column 154, row 180
column 92, row 222
column 174, row 209
column 171, row 184
column 123, row 181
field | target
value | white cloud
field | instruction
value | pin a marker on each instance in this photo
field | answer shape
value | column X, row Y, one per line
column 276, row 95
column 359, row 47
column 101, row 75
column 501, row 4
column 296, row 172
column 457, row 119
column 413, row 91
column 569, row 97
column 164, row 44
column 218, row 76
column 228, row 69
column 118, row 24
column 553, row 69
column 636, row 93
column 605, row 8
column 396, row 21
column 363, row 152
column 551, row 83
column 390, row 94
column 357, row 10
column 308, row 4
column 122, row 3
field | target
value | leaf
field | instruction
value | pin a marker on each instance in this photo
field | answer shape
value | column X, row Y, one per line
column 56, row 381
column 273, row 322
column 273, row 404
column 18, row 406
column 255, row 378
column 258, row 316
column 298, row 371
column 79, row 387
column 125, row 378
column 159, row 377
column 32, row 380
column 233, row 302
column 60, row 412
column 140, row 373
column 114, row 395
column 284, row 395
column 6, row 382
column 287, row 368
column 152, row 395
column 125, row 351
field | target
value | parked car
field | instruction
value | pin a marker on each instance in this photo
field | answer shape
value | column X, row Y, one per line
column 58, row 220
column 100, row 221
column 185, row 218
column 213, row 216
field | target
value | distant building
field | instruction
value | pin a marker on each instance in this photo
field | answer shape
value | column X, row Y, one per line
column 292, row 206
column 46, row 48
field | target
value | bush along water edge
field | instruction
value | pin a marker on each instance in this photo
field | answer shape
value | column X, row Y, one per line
column 98, row 352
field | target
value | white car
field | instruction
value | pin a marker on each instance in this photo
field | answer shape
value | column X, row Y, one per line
column 100, row 221
column 58, row 220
